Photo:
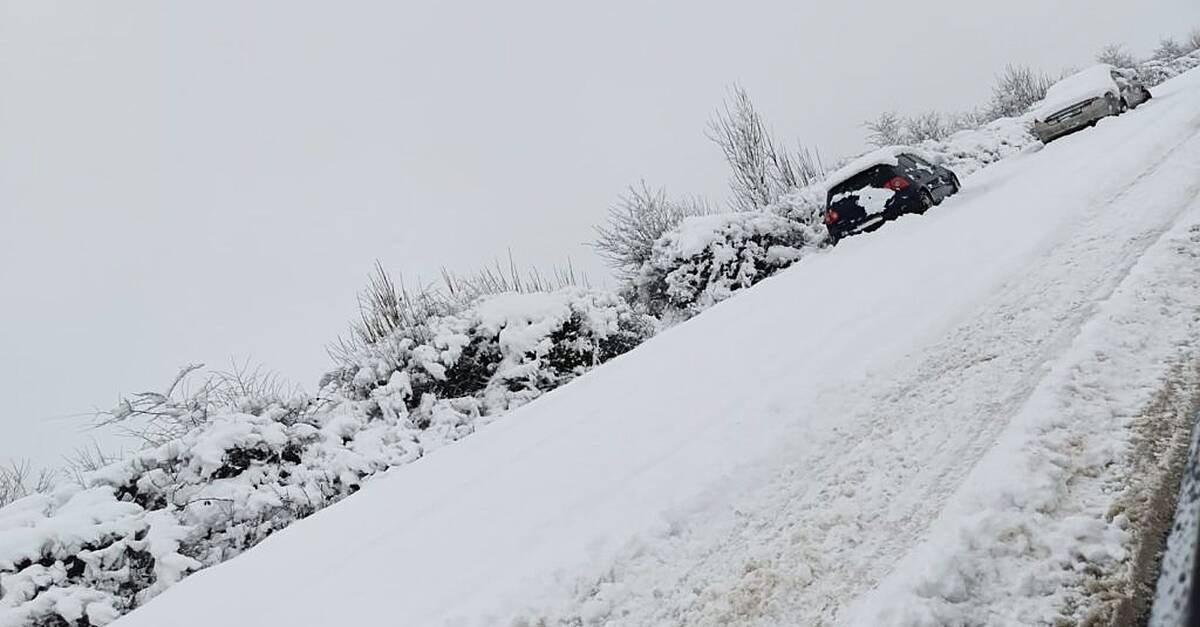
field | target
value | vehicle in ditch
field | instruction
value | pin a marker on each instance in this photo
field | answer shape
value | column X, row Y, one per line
column 1082, row 99
column 881, row 186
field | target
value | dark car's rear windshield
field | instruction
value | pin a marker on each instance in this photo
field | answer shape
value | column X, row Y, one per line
column 875, row 176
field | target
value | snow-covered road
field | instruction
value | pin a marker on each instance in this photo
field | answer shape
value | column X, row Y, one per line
column 934, row 424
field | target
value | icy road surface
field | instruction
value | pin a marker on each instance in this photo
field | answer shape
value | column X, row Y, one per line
column 935, row 424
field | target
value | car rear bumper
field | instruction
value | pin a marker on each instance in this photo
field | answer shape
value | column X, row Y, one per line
column 1047, row 131
column 869, row 224
column 904, row 202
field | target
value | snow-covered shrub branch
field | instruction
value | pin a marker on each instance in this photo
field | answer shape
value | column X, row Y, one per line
column 19, row 479
column 1155, row 71
column 1116, row 55
column 637, row 220
column 1016, row 89
column 708, row 258
column 892, row 129
column 761, row 171
column 677, row 258
column 158, row 417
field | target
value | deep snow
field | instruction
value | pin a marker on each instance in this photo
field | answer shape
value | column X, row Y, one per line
column 884, row 434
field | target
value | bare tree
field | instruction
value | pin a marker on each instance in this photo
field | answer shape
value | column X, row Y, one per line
column 18, row 480
column 1116, row 55
column 1169, row 49
column 973, row 118
column 636, row 221
column 762, row 171
column 1193, row 39
column 1016, row 89
column 930, row 125
column 886, row 130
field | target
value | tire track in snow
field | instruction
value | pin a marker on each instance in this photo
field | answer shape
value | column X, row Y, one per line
column 1069, row 537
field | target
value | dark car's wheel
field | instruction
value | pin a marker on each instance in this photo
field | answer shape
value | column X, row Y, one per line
column 954, row 184
column 924, row 202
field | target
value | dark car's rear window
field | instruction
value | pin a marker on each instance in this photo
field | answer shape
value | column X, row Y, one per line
column 875, row 176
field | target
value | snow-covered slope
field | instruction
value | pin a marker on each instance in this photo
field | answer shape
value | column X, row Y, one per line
column 884, row 434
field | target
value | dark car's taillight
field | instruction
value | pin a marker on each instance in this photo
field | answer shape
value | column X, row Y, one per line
column 831, row 217
column 896, row 183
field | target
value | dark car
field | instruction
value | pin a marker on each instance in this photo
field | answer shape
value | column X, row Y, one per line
column 883, row 186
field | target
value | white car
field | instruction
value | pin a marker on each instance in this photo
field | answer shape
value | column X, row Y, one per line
column 1081, row 99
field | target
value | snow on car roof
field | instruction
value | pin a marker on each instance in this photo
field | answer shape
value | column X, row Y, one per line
column 1092, row 82
column 883, row 156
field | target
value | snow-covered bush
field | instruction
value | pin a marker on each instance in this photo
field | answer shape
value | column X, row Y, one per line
column 1156, row 71
column 891, row 129
column 1169, row 49
column 1116, row 55
column 82, row 557
column 498, row 354
column 1016, row 89
column 969, row 150
column 706, row 259
column 251, row 464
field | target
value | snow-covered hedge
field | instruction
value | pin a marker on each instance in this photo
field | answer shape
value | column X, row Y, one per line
column 707, row 258
column 967, row 151
column 84, row 555
column 1155, row 71
column 499, row 354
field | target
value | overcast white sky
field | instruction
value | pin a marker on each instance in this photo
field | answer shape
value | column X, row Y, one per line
column 195, row 181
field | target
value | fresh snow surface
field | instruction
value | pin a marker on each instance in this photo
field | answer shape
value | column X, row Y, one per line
column 882, row 156
column 873, row 200
column 924, row 426
column 1093, row 82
